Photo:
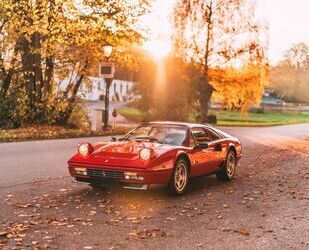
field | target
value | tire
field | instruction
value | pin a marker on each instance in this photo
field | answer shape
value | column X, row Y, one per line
column 228, row 170
column 179, row 181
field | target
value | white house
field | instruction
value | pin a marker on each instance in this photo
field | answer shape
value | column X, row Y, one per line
column 120, row 90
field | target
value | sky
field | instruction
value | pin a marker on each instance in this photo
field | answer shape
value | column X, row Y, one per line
column 288, row 22
column 159, row 25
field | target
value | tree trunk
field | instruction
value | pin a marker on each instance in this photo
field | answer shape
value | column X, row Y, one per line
column 76, row 88
column 49, row 72
column 5, row 84
column 205, row 91
column 37, row 66
column 27, row 65
column 64, row 117
column 205, row 88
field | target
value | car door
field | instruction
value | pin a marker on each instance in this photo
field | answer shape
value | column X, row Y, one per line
column 219, row 146
column 203, row 159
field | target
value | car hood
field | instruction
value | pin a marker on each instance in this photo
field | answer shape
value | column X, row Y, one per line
column 124, row 154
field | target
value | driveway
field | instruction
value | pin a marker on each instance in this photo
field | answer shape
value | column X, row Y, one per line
column 265, row 207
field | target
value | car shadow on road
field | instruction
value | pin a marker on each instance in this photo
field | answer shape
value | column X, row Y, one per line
column 196, row 186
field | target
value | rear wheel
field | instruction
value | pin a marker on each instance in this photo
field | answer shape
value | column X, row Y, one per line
column 228, row 170
column 179, row 180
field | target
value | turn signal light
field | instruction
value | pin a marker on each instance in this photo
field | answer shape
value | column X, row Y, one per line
column 81, row 171
column 133, row 176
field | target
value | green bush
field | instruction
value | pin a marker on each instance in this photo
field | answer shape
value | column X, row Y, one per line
column 13, row 110
column 79, row 118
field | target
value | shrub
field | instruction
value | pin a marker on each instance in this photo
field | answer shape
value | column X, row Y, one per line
column 79, row 118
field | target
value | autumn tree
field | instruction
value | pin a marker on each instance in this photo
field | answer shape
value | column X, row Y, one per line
column 297, row 56
column 290, row 77
column 215, row 35
column 50, row 47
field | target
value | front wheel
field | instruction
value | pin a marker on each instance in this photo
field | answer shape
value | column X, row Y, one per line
column 178, row 184
column 228, row 170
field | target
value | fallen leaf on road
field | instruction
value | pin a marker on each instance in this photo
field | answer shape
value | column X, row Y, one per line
column 3, row 234
column 2, row 242
column 93, row 212
column 23, row 206
column 269, row 231
column 153, row 233
column 243, row 231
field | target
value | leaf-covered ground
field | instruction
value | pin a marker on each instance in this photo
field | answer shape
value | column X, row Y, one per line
column 265, row 207
column 45, row 132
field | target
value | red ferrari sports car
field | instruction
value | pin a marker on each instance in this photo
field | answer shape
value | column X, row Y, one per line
column 167, row 153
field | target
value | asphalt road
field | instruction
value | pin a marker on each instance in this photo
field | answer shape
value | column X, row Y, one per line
column 265, row 207
column 25, row 162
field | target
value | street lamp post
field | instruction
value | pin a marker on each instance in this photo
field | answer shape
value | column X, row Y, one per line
column 108, row 49
column 108, row 82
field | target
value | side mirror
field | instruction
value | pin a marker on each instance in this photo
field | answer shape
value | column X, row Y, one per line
column 113, row 139
column 202, row 145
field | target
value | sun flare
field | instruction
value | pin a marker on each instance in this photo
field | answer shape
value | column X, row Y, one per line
column 158, row 48
column 158, row 23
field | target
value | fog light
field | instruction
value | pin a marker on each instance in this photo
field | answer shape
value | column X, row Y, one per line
column 133, row 176
column 81, row 171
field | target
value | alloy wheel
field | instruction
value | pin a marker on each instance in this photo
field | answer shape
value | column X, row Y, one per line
column 230, row 165
column 181, row 177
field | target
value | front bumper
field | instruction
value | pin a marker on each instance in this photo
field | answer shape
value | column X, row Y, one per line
column 108, row 183
column 114, row 176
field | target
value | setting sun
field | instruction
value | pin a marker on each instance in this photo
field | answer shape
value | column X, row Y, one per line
column 158, row 23
column 158, row 48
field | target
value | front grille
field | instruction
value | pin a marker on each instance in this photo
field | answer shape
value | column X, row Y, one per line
column 105, row 173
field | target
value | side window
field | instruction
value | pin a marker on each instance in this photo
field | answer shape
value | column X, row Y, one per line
column 191, row 141
column 214, row 136
column 201, row 135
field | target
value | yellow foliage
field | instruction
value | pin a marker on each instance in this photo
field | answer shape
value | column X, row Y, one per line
column 240, row 88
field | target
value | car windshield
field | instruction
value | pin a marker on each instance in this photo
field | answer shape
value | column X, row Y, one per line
column 165, row 134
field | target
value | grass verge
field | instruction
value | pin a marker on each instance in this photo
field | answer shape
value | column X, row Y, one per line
column 233, row 118
column 228, row 118
column 132, row 114
column 45, row 132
